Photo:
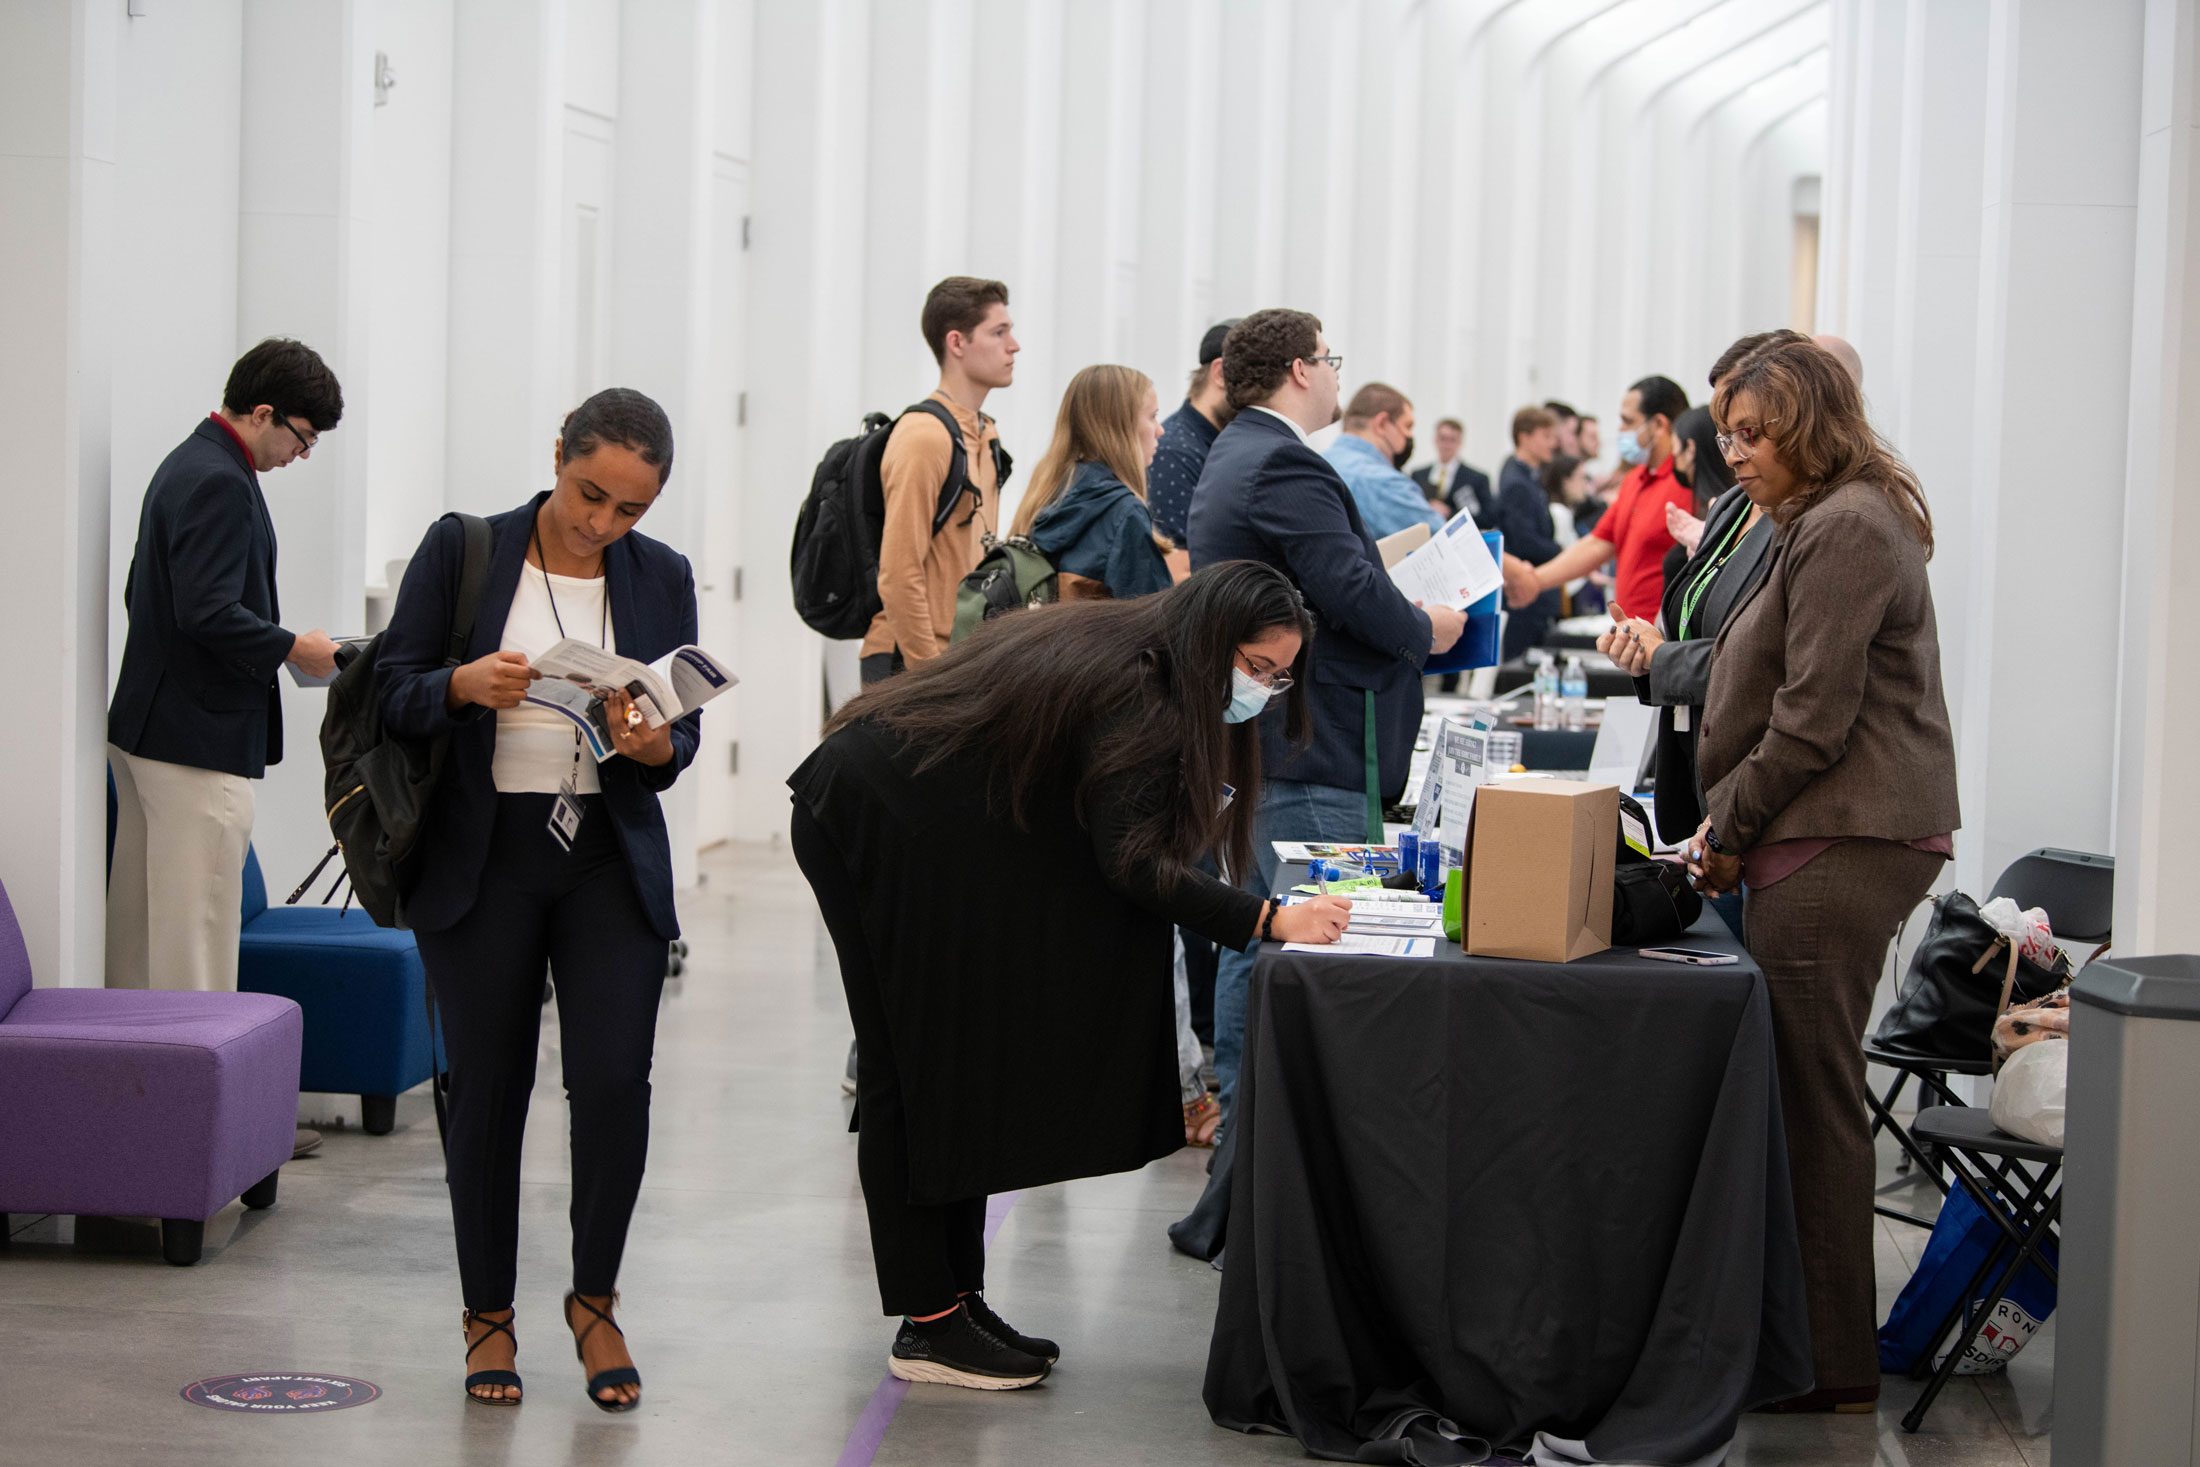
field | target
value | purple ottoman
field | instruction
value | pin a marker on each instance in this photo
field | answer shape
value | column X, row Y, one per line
column 141, row 1104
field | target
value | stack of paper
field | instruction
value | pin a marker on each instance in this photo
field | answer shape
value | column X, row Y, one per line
column 1355, row 945
column 1453, row 569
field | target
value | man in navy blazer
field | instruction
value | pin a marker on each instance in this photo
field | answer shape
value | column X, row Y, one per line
column 1266, row 495
column 196, row 712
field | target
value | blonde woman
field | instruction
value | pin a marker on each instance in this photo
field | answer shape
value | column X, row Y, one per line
column 1087, row 510
column 1086, row 507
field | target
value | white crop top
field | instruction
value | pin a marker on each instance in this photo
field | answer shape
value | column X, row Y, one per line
column 534, row 746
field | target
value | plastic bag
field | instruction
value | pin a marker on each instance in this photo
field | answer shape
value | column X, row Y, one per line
column 2029, row 1092
column 2028, row 929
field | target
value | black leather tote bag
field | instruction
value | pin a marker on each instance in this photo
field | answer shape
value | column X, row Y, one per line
column 1961, row 978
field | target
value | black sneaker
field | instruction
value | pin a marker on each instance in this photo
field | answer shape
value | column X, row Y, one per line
column 1006, row 1333
column 964, row 1354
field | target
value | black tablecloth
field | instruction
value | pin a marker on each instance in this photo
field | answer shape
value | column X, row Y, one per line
column 1513, row 1196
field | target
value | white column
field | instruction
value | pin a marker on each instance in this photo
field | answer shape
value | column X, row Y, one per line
column 507, row 373
column 1014, row 235
column 1098, row 251
column 177, row 126
column 811, row 101
column 301, row 272
column 662, row 243
column 56, row 269
column 2036, row 758
column 1874, row 187
column 1250, row 204
column 1924, row 391
column 2157, row 780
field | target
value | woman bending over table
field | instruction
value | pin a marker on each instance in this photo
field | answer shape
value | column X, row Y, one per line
column 1830, row 784
column 1001, row 840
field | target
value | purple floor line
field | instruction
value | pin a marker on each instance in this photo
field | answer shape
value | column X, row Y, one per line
column 878, row 1412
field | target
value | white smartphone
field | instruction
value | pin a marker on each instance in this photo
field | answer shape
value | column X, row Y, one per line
column 1693, row 955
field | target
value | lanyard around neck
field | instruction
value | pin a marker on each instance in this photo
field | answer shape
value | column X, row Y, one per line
column 1710, row 572
column 603, row 630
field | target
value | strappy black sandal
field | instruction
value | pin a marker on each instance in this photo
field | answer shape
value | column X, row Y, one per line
column 491, row 1377
column 603, row 1379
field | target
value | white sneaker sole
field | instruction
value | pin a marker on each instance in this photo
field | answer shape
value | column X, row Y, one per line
column 931, row 1372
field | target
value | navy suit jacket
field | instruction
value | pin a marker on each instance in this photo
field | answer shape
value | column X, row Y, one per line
column 197, row 685
column 1524, row 515
column 1266, row 496
column 1470, row 490
column 652, row 596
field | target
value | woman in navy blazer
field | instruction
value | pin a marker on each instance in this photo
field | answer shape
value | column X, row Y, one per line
column 535, row 854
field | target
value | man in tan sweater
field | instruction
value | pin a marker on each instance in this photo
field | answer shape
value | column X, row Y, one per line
column 966, row 324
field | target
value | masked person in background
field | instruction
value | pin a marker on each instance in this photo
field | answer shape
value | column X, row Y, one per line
column 1633, row 531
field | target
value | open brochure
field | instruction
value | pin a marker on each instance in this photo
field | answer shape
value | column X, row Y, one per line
column 1453, row 569
column 577, row 676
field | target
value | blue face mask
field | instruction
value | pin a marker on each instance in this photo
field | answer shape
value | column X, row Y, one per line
column 1247, row 697
column 1631, row 449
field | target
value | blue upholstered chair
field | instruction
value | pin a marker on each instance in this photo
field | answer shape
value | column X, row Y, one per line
column 362, row 988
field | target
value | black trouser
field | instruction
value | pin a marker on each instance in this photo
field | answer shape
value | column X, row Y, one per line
column 926, row 1255
column 576, row 911
column 879, row 666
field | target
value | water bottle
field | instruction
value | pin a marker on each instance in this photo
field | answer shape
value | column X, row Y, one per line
column 1573, row 690
column 1546, row 689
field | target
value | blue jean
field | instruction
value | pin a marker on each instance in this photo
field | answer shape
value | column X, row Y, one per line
column 1729, row 907
column 1288, row 811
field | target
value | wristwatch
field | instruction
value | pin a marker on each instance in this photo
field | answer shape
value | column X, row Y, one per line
column 1711, row 839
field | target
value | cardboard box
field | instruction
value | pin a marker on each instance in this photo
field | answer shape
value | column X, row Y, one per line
column 1539, row 870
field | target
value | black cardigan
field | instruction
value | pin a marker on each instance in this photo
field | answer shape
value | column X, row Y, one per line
column 1015, row 961
column 1680, row 672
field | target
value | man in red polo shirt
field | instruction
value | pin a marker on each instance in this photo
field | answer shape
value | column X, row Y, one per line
column 1633, row 529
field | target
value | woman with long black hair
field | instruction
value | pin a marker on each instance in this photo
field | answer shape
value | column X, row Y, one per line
column 537, row 854
column 1000, row 841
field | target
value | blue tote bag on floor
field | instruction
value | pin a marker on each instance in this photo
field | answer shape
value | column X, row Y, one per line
column 1962, row 1237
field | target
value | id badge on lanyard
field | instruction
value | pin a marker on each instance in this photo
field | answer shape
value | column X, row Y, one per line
column 566, row 811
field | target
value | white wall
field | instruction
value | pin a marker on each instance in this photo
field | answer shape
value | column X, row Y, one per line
column 1488, row 203
column 409, row 276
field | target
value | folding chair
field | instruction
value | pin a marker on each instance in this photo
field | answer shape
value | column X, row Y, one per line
column 2077, row 890
column 2016, row 1183
column 1932, row 1093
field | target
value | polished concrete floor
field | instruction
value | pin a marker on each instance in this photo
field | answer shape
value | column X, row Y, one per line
column 748, row 1289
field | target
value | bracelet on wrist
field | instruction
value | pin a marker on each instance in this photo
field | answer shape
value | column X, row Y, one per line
column 1268, row 923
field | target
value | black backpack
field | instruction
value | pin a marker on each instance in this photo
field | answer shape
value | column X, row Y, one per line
column 378, row 785
column 834, row 565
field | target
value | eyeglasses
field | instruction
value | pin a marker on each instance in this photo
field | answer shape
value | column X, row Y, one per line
column 305, row 444
column 1276, row 681
column 1332, row 360
column 1743, row 441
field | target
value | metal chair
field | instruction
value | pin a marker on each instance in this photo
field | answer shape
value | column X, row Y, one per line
column 2015, row 1182
column 2077, row 890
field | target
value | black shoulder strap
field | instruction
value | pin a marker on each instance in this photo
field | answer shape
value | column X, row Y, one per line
column 958, row 464
column 473, row 578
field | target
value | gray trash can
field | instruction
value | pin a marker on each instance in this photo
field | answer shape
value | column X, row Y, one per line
column 2127, row 1351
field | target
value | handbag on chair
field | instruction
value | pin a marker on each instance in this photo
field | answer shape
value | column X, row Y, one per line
column 1963, row 975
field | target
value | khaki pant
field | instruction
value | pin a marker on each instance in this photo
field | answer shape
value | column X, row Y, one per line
column 177, row 884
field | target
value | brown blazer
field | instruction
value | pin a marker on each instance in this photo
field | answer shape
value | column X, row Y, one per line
column 1825, row 715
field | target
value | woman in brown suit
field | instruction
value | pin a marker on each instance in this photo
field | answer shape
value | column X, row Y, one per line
column 1830, row 785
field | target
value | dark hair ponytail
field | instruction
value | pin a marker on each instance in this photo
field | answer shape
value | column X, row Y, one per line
column 1146, row 681
column 623, row 416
